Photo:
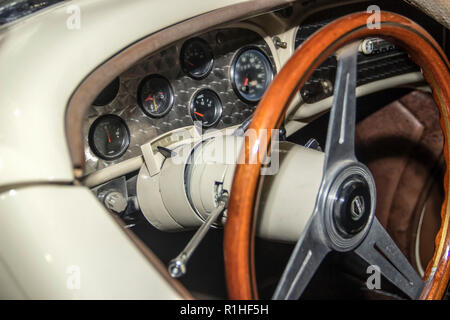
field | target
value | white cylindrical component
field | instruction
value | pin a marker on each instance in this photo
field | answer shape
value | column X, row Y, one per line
column 163, row 198
column 212, row 170
column 151, row 203
column 172, row 185
column 185, row 192
column 287, row 198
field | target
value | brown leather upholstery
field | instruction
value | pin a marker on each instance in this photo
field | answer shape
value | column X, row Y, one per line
column 437, row 9
column 402, row 145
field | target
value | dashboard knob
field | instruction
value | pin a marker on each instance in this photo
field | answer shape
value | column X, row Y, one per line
column 116, row 202
column 367, row 46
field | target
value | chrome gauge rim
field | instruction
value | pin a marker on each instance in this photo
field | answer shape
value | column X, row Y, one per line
column 186, row 65
column 234, row 73
column 168, row 88
column 124, row 143
column 218, row 107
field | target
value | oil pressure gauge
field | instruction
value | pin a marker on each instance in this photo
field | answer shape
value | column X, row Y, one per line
column 251, row 74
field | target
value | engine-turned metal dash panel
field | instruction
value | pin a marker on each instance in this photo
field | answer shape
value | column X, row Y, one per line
column 225, row 43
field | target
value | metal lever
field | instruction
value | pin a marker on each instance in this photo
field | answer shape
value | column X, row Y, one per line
column 313, row 144
column 177, row 266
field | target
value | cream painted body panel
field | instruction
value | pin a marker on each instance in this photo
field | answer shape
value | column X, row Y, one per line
column 44, row 230
column 42, row 62
column 49, row 233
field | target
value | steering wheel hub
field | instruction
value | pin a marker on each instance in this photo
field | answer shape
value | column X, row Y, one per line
column 349, row 206
column 352, row 206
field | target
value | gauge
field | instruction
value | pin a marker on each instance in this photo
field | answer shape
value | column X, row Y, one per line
column 251, row 74
column 206, row 107
column 155, row 96
column 109, row 137
column 196, row 58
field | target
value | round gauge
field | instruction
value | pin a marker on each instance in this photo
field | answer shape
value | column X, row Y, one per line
column 206, row 107
column 109, row 137
column 155, row 96
column 251, row 74
column 196, row 58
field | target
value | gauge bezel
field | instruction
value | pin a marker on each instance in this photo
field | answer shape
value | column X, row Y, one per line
column 219, row 111
column 91, row 138
column 171, row 95
column 210, row 63
column 233, row 67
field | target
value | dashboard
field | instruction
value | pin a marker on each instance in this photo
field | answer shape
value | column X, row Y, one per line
column 213, row 80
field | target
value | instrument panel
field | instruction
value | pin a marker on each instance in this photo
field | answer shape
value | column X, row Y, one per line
column 216, row 78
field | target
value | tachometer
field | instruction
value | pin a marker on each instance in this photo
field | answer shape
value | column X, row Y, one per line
column 109, row 137
column 196, row 58
column 155, row 96
column 206, row 107
column 251, row 74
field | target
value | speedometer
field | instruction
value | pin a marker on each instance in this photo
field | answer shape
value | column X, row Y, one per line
column 251, row 74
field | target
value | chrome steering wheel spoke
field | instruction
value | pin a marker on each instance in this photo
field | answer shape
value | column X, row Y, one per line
column 341, row 129
column 306, row 258
column 314, row 244
column 378, row 249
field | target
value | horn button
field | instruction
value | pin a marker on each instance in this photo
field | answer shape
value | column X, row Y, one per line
column 352, row 206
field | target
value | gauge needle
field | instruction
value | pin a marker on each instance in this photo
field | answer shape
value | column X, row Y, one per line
column 199, row 114
column 150, row 98
column 188, row 62
column 108, row 135
column 246, row 82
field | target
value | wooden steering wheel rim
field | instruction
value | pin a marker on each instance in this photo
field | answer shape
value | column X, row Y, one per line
column 240, row 226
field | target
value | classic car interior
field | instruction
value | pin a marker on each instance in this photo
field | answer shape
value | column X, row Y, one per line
column 185, row 88
column 217, row 78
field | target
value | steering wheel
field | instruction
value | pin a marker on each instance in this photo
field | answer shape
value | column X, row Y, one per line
column 343, row 219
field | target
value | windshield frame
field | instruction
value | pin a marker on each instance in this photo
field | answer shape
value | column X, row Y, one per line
column 11, row 10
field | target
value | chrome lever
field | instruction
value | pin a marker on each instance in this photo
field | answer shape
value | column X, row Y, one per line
column 177, row 266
